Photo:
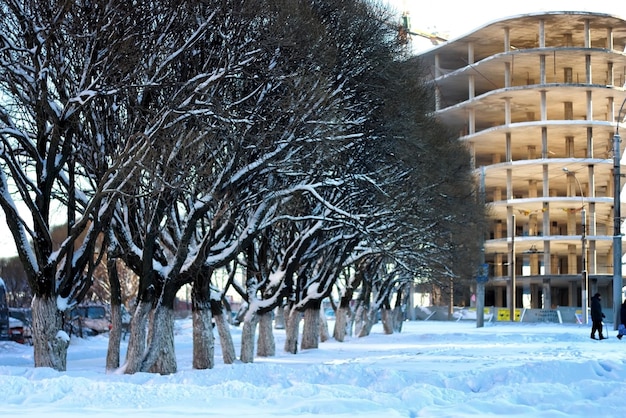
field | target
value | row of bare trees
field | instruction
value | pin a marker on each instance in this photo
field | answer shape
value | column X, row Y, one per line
column 288, row 138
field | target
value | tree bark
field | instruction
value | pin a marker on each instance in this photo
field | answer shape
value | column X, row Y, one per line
column 137, row 338
column 398, row 319
column 203, row 339
column 292, row 329
column 279, row 319
column 247, row 339
column 115, row 335
column 311, row 329
column 324, row 334
column 387, row 320
column 363, row 325
column 50, row 342
column 226, row 339
column 266, row 346
column 161, row 356
column 342, row 324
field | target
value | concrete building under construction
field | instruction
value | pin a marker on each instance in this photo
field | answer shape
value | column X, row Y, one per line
column 538, row 99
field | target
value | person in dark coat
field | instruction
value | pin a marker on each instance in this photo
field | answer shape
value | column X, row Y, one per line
column 596, row 317
column 622, row 321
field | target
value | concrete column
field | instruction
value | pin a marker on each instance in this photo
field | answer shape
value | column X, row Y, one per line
column 498, row 230
column 507, row 74
column 542, row 34
column 547, row 265
column 509, row 186
column 568, row 75
column 507, row 40
column 534, row 264
column 588, row 69
column 572, row 294
column 542, row 69
column 572, row 267
column 532, row 225
column 568, row 111
column 499, row 299
column 554, row 262
column 589, row 115
column 498, row 267
column 509, row 151
column 497, row 193
column 532, row 188
column 592, row 255
column 547, row 294
column 507, row 111
column 569, row 147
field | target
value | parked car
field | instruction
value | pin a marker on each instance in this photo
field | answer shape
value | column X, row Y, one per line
column 4, row 313
column 20, row 321
column 88, row 320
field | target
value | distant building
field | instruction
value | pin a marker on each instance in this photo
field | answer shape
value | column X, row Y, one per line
column 536, row 98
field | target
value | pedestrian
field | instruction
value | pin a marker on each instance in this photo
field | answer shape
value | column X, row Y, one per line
column 596, row 317
column 621, row 329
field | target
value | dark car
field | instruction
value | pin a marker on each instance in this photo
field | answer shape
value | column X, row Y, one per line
column 20, row 320
column 4, row 313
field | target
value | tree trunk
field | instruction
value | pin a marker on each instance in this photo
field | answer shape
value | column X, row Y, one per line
column 226, row 339
column 203, row 339
column 311, row 329
column 247, row 338
column 387, row 320
column 341, row 324
column 279, row 320
column 137, row 338
column 398, row 319
column 324, row 334
column 50, row 342
column 292, row 329
column 363, row 322
column 266, row 345
column 115, row 335
column 161, row 357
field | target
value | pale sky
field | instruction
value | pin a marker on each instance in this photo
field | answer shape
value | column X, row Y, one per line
column 453, row 18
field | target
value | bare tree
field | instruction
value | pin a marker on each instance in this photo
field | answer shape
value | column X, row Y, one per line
column 53, row 61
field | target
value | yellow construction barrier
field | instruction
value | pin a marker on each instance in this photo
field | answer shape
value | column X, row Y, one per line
column 504, row 314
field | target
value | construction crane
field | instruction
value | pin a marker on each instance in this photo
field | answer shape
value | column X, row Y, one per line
column 406, row 31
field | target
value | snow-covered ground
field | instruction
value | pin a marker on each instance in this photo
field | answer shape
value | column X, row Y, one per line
column 431, row 369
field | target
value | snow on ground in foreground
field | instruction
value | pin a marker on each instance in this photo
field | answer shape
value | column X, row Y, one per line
column 431, row 369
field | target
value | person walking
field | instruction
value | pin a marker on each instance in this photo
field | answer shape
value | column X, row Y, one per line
column 621, row 329
column 596, row 317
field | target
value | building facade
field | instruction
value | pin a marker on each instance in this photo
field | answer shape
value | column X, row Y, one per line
column 537, row 99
